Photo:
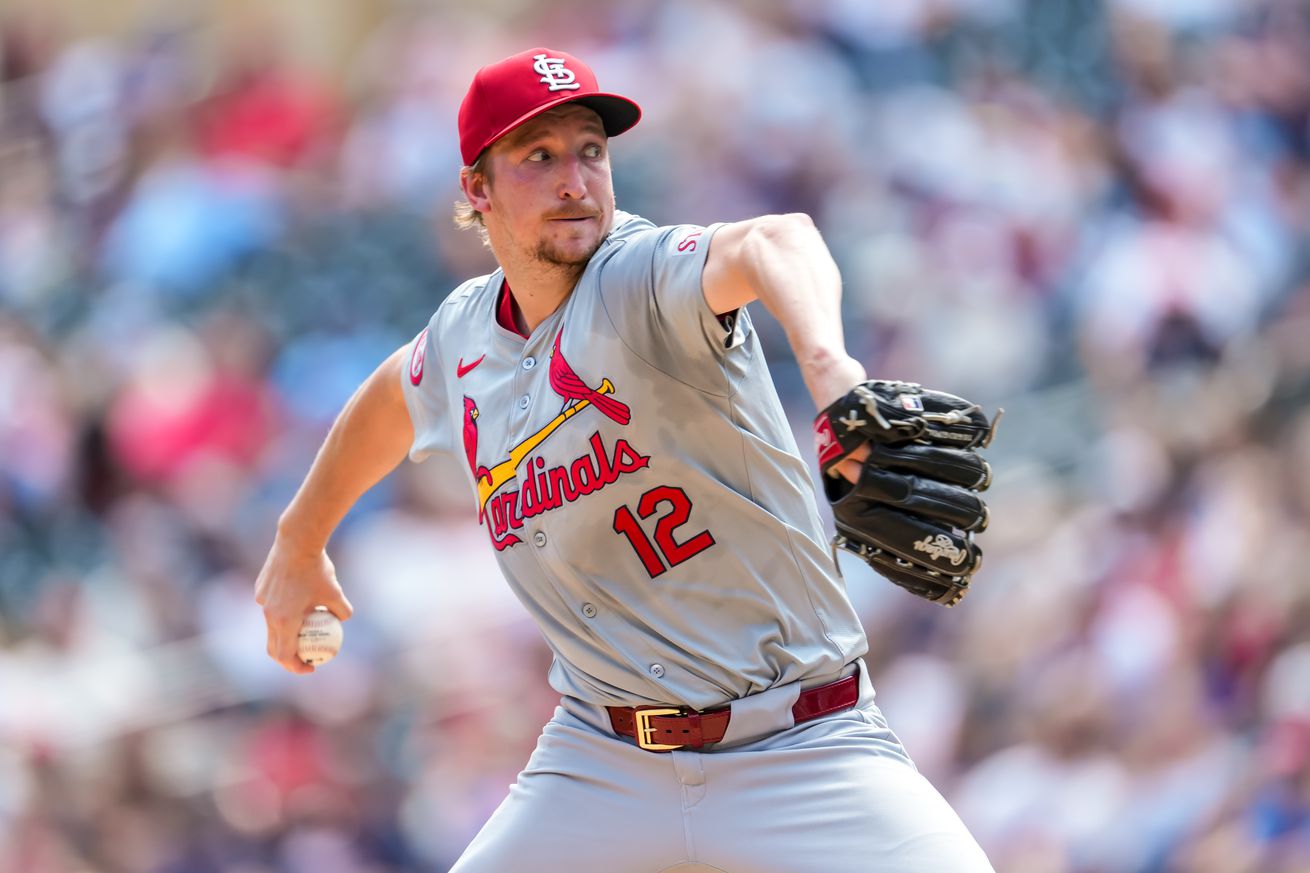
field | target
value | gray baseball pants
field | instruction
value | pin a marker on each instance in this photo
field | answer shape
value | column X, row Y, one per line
column 837, row 794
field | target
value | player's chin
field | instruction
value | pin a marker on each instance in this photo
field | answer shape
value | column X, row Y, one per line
column 569, row 229
column 573, row 247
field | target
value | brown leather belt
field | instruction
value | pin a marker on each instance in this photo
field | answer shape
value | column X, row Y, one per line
column 663, row 728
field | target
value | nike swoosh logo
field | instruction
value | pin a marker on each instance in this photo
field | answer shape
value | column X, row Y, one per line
column 461, row 371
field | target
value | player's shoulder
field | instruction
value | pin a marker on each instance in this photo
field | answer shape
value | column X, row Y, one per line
column 470, row 292
column 636, row 238
column 452, row 314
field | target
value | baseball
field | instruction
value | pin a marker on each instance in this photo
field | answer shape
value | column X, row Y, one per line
column 320, row 637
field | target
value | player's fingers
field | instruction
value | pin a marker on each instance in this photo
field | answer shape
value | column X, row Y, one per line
column 282, row 641
column 849, row 467
column 340, row 607
column 849, row 470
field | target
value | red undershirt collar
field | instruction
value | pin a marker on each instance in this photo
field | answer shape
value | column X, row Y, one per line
column 505, row 310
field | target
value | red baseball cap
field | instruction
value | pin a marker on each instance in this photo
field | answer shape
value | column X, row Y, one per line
column 521, row 87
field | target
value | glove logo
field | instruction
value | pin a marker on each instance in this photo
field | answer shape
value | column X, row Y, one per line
column 554, row 73
column 941, row 546
column 912, row 402
column 949, row 435
column 825, row 441
column 852, row 421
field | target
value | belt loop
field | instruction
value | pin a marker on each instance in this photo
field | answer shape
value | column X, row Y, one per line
column 696, row 735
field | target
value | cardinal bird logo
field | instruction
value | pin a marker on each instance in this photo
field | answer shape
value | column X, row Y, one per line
column 546, row 488
column 566, row 384
column 480, row 472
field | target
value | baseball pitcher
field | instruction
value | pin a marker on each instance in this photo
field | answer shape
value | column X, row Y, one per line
column 630, row 463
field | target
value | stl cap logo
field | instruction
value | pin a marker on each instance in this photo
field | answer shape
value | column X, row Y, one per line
column 554, row 73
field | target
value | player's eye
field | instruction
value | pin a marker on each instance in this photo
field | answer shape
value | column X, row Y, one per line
column 593, row 151
column 538, row 155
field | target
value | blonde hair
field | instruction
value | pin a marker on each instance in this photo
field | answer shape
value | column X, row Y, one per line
column 466, row 217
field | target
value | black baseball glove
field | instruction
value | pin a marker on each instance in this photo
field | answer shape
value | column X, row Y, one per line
column 913, row 513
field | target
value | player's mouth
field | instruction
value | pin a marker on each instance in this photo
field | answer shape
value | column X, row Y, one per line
column 574, row 219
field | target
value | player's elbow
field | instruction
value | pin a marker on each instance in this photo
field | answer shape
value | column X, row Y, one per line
column 746, row 241
column 745, row 255
column 784, row 229
column 789, row 236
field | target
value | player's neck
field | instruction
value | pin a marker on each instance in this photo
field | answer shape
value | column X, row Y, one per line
column 538, row 290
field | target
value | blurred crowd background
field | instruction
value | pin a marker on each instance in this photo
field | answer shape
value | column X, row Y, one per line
column 215, row 220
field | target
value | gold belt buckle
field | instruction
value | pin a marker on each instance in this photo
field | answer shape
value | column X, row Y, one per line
column 645, row 732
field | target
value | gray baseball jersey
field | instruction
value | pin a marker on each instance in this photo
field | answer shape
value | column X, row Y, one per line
column 633, row 468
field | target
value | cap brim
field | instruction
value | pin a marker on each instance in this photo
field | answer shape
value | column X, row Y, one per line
column 617, row 114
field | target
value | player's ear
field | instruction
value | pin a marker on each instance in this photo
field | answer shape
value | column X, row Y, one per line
column 475, row 186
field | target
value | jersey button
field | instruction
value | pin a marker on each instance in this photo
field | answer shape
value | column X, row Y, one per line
column 524, row 401
column 539, row 538
column 657, row 670
column 529, row 362
column 588, row 610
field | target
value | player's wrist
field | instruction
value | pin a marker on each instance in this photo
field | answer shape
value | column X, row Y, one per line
column 829, row 375
column 294, row 535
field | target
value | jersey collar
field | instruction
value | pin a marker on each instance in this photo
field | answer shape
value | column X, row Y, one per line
column 625, row 224
column 505, row 310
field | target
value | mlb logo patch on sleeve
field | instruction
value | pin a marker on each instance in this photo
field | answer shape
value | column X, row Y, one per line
column 416, row 358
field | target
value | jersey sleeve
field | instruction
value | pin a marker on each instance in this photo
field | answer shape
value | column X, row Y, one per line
column 654, row 297
column 426, row 397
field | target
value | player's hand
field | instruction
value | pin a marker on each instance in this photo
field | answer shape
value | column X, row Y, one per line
column 830, row 376
column 914, row 510
column 293, row 581
column 849, row 467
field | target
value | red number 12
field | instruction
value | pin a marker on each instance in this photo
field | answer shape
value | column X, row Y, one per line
column 674, row 552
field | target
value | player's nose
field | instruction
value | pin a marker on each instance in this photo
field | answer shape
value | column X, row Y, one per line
column 572, row 184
